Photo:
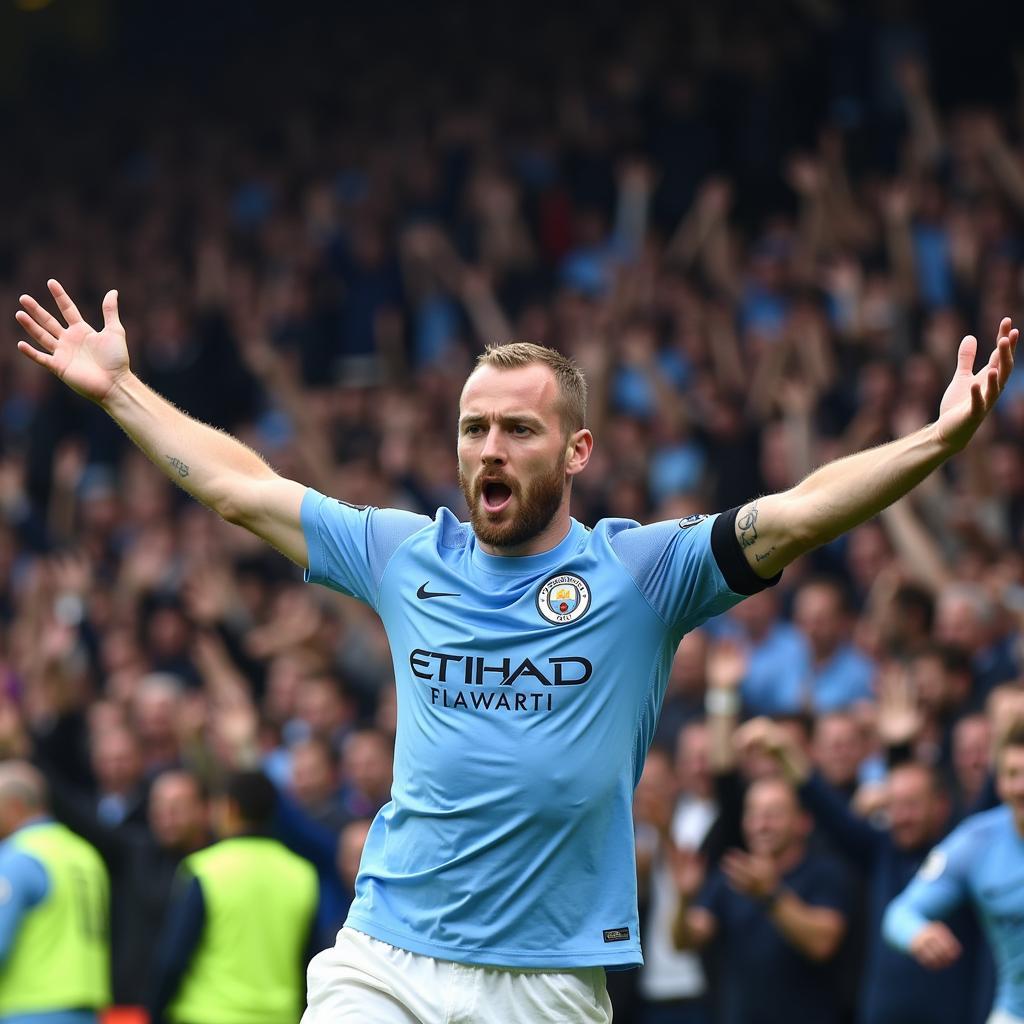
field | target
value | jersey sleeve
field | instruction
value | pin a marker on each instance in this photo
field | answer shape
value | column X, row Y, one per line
column 938, row 888
column 23, row 884
column 689, row 569
column 349, row 546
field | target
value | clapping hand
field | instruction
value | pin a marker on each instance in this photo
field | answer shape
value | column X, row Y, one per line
column 753, row 875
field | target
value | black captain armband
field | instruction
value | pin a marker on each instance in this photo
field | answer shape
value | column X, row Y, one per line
column 731, row 560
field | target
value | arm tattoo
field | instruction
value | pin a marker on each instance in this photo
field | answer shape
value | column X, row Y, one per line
column 178, row 465
column 767, row 554
column 746, row 523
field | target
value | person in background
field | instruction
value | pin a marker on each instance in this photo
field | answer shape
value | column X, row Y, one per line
column 314, row 783
column 981, row 863
column 838, row 749
column 239, row 935
column 771, row 644
column 671, row 982
column 142, row 862
column 831, row 674
column 781, row 912
column 893, row 990
column 366, row 767
column 972, row 759
column 54, row 906
column 117, row 766
column 351, row 841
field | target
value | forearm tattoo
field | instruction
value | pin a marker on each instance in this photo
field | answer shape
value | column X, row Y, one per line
column 178, row 465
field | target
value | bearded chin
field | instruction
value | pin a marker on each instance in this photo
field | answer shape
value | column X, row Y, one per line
column 537, row 507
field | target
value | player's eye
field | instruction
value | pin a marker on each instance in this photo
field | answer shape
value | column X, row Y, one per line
column 472, row 429
column 521, row 429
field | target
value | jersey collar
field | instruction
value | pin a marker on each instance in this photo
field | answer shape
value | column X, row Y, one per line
column 521, row 565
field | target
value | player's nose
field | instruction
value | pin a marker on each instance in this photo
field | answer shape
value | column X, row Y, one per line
column 493, row 450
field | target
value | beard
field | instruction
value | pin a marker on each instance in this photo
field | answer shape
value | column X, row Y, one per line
column 536, row 507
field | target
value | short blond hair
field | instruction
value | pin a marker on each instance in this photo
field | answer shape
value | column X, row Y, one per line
column 1010, row 735
column 572, row 385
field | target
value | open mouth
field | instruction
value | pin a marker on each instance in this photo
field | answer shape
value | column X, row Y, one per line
column 496, row 496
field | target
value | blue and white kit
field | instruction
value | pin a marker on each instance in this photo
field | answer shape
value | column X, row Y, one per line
column 528, row 692
column 981, row 860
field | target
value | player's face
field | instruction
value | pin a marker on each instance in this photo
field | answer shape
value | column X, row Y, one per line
column 513, row 453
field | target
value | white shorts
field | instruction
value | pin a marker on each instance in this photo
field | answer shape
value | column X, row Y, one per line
column 360, row 980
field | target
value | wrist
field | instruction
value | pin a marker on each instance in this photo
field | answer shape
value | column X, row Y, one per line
column 119, row 392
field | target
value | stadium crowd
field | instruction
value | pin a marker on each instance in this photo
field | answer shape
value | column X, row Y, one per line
column 761, row 230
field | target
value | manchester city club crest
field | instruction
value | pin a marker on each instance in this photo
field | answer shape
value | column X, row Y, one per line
column 563, row 598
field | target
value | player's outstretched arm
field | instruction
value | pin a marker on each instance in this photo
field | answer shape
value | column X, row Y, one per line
column 212, row 466
column 778, row 528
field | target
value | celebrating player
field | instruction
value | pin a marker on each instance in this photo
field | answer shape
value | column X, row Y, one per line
column 531, row 656
column 982, row 860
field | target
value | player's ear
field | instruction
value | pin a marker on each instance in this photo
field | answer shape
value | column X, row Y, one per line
column 579, row 445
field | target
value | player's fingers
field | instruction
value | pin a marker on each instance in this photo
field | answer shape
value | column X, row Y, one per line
column 966, row 353
column 991, row 388
column 41, row 316
column 1004, row 328
column 68, row 309
column 977, row 401
column 42, row 358
column 1005, row 360
column 1005, row 351
column 37, row 333
column 111, row 320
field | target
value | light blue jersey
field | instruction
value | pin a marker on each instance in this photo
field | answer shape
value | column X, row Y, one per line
column 528, row 691
column 981, row 860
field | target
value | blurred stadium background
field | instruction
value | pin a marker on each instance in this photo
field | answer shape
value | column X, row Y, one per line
column 761, row 229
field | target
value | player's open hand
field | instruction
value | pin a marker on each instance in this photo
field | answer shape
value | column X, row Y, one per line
column 89, row 361
column 971, row 396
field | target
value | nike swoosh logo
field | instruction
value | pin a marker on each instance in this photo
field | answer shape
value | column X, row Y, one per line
column 423, row 594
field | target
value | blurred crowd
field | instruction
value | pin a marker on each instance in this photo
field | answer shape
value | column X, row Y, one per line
column 762, row 231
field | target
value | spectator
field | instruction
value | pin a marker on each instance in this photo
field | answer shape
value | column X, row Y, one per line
column 314, row 783
column 769, row 642
column 838, row 750
column 117, row 765
column 672, row 983
column 753, row 283
column 366, row 768
column 781, row 913
column 894, row 990
column 831, row 674
column 972, row 755
column 238, row 937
